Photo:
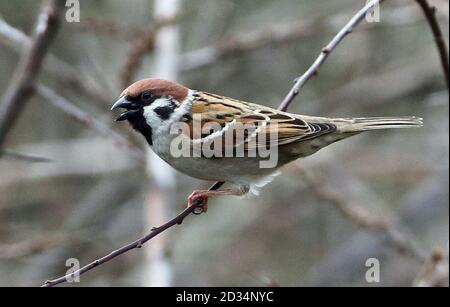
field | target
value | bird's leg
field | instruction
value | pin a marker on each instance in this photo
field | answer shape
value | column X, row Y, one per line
column 204, row 195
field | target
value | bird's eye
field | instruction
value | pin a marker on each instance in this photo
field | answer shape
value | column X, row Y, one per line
column 146, row 96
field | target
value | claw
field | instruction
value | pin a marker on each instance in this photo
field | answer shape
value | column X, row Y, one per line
column 201, row 196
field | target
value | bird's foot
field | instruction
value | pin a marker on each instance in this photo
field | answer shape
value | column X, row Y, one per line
column 199, row 196
column 202, row 196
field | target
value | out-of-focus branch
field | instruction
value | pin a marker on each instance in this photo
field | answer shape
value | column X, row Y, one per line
column 18, row 40
column 142, row 40
column 108, row 27
column 46, row 242
column 391, row 78
column 434, row 272
column 62, row 71
column 233, row 45
column 236, row 44
column 361, row 217
column 22, row 84
column 314, row 69
column 430, row 14
column 84, row 118
column 22, row 249
column 141, row 45
column 81, row 156
column 23, row 157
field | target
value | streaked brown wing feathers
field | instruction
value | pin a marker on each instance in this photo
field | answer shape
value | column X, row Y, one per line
column 283, row 127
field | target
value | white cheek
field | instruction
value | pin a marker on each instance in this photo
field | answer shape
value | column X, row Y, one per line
column 152, row 119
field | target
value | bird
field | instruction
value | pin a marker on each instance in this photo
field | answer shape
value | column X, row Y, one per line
column 233, row 130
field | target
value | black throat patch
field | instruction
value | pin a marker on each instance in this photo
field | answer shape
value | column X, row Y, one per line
column 139, row 124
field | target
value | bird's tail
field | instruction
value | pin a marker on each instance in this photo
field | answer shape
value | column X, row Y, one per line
column 375, row 123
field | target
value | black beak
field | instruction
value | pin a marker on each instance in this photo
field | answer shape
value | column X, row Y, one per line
column 124, row 104
column 121, row 103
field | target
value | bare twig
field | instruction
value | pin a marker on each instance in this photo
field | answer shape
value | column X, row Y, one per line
column 196, row 206
column 430, row 14
column 314, row 69
column 22, row 84
column 133, row 245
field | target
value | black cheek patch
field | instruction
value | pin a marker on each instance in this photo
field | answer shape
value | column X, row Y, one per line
column 164, row 112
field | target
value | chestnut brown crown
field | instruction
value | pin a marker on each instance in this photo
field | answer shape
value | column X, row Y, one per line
column 158, row 87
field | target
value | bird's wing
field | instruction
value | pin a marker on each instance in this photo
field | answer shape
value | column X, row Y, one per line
column 258, row 125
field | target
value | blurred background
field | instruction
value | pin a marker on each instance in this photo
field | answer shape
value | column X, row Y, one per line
column 75, row 184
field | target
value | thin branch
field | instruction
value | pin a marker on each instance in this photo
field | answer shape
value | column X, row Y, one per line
column 314, row 69
column 22, row 84
column 133, row 245
column 196, row 207
column 430, row 14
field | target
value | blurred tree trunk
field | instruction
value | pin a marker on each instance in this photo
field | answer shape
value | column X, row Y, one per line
column 160, row 201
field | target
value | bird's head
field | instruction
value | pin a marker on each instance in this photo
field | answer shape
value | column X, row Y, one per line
column 150, row 102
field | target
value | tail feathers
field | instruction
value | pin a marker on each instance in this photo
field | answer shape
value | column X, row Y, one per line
column 375, row 123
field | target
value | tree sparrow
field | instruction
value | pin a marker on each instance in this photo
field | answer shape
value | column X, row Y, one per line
column 226, row 125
